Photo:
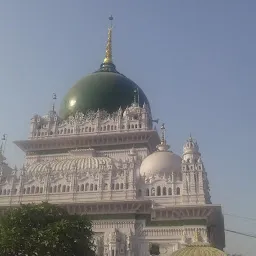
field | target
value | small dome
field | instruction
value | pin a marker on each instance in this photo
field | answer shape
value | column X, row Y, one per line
column 191, row 147
column 160, row 162
column 199, row 247
column 67, row 165
column 199, row 250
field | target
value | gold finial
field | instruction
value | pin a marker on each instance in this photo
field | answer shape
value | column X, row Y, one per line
column 108, row 55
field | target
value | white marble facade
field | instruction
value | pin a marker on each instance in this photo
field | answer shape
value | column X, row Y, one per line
column 117, row 169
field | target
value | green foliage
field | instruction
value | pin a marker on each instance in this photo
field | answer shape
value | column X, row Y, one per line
column 44, row 230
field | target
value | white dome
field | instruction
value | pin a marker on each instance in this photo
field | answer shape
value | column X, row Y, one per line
column 66, row 165
column 160, row 162
column 191, row 147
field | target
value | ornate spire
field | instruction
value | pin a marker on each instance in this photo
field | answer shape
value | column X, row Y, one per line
column 54, row 98
column 107, row 64
column 108, row 55
column 163, row 141
column 136, row 97
column 163, row 146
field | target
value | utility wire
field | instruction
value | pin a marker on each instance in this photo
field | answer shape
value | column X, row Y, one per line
column 240, row 217
column 240, row 233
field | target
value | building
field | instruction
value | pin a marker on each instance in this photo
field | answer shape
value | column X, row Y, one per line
column 102, row 157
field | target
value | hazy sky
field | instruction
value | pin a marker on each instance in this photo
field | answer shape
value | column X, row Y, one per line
column 195, row 60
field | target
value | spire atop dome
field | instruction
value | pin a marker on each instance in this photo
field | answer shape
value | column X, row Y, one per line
column 163, row 141
column 108, row 64
column 163, row 146
column 108, row 55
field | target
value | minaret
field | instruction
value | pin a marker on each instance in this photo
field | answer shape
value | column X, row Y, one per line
column 195, row 182
column 108, row 65
column 163, row 146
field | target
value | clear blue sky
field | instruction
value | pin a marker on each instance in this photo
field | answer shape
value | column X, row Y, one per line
column 195, row 60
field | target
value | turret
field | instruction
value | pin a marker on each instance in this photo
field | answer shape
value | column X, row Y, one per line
column 195, row 182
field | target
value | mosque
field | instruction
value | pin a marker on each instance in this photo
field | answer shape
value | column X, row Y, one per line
column 102, row 156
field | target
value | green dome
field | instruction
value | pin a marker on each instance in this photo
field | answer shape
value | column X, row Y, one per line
column 105, row 89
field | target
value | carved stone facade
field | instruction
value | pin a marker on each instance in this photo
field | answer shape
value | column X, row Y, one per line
column 106, row 166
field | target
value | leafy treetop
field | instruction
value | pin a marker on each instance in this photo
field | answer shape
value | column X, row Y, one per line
column 45, row 230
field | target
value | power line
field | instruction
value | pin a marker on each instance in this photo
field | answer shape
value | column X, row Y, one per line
column 239, row 217
column 240, row 233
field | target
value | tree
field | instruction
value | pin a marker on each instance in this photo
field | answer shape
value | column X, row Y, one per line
column 45, row 230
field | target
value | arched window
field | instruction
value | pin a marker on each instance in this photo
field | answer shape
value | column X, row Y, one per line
column 33, row 190
column 5, row 192
column 95, row 187
column 41, row 190
column 55, row 189
column 112, row 186
column 139, row 193
column 86, row 186
column 82, row 187
column 8, row 192
column 91, row 187
column 147, row 192
column 37, row 190
column 177, row 191
column 105, row 186
column 153, row 192
column 164, row 191
column 28, row 190
column 68, row 188
column 169, row 191
column 59, row 188
column 158, row 191
column 117, row 186
column 15, row 191
column 1, row 192
column 122, row 186
column 64, row 188
column 50, row 189
column 77, row 188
